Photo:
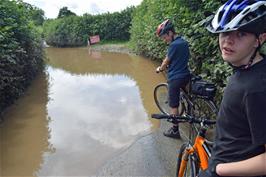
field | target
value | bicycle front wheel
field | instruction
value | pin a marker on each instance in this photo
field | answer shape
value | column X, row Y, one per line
column 160, row 95
column 190, row 168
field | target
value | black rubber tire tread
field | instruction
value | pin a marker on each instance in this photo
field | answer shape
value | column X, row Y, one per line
column 162, row 102
column 158, row 98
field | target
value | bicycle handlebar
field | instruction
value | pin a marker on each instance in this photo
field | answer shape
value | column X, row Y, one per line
column 187, row 118
column 158, row 70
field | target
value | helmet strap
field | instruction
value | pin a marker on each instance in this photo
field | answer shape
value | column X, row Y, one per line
column 253, row 55
column 173, row 36
column 251, row 58
column 243, row 67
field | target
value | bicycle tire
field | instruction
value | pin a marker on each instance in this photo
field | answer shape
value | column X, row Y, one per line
column 192, row 169
column 207, row 109
column 160, row 95
column 204, row 108
column 187, row 131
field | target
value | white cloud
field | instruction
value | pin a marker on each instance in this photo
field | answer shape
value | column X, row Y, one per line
column 52, row 7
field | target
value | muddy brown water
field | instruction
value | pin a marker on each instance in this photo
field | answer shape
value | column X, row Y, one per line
column 82, row 110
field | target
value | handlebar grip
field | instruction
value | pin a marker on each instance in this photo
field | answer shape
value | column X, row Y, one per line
column 166, row 116
column 160, row 116
column 178, row 119
column 209, row 122
column 170, row 118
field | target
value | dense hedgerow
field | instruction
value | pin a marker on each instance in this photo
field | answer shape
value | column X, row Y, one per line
column 71, row 31
column 21, row 53
column 188, row 18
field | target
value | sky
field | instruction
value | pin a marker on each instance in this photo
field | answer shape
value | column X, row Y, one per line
column 79, row 7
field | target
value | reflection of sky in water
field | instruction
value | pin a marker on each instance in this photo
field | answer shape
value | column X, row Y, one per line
column 91, row 117
column 104, row 108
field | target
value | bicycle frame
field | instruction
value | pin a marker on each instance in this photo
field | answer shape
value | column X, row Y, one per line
column 187, row 101
column 196, row 151
column 189, row 98
column 201, row 149
column 191, row 107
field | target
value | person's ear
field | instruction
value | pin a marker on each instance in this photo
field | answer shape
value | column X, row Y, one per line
column 262, row 38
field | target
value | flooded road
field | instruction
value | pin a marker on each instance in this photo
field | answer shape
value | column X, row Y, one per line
column 83, row 109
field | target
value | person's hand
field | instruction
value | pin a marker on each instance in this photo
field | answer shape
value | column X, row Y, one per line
column 158, row 69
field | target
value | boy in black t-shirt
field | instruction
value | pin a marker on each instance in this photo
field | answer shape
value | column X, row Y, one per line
column 240, row 143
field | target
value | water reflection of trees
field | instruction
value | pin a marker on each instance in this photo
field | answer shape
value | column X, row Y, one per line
column 25, row 134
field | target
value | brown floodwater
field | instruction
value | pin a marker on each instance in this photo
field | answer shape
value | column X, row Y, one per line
column 85, row 108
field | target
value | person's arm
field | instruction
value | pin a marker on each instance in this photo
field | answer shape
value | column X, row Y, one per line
column 164, row 64
column 254, row 166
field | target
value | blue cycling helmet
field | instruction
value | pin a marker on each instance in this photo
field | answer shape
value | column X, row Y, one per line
column 243, row 15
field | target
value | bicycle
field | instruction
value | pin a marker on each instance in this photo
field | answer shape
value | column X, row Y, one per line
column 193, row 155
column 192, row 102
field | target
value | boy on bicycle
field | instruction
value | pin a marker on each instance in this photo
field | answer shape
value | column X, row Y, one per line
column 178, row 73
column 240, row 144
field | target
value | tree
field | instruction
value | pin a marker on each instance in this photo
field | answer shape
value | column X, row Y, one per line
column 21, row 52
column 34, row 14
column 64, row 12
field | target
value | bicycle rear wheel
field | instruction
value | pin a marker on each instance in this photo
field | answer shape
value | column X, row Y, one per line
column 204, row 108
column 160, row 95
column 191, row 168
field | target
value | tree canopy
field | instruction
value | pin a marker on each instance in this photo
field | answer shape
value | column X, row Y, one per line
column 64, row 12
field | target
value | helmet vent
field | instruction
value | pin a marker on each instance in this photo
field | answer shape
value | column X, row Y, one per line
column 246, row 15
column 246, row 11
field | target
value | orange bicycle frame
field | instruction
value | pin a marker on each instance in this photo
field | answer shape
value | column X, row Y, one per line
column 200, row 149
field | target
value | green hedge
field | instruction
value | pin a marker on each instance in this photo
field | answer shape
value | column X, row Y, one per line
column 74, row 30
column 188, row 18
column 20, row 51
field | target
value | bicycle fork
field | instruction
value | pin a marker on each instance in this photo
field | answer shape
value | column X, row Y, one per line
column 200, row 150
column 184, row 161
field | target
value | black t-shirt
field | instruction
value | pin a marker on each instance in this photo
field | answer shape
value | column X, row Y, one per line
column 241, row 122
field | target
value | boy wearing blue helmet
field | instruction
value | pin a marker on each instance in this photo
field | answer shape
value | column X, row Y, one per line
column 240, row 142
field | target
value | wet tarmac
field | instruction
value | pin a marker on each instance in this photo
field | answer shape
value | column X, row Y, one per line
column 151, row 155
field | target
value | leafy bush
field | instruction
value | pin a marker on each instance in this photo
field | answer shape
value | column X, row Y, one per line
column 64, row 32
column 188, row 18
column 74, row 30
column 20, row 51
